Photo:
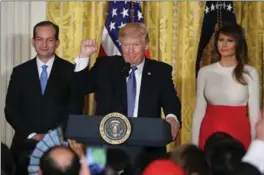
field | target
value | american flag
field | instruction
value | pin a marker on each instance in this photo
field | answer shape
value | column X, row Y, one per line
column 119, row 14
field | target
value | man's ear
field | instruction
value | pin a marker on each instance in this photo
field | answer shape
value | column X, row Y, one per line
column 57, row 43
column 33, row 42
column 147, row 46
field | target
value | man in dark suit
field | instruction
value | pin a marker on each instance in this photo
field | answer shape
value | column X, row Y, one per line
column 38, row 93
column 129, row 84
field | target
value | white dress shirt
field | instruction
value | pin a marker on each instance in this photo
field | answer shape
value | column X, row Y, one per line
column 49, row 63
column 40, row 63
column 82, row 63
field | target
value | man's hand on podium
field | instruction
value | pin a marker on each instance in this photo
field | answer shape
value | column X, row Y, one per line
column 38, row 137
column 175, row 127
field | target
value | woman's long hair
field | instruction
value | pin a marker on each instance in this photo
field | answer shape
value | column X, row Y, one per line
column 235, row 31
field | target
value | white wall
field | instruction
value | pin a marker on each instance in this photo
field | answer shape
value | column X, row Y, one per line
column 17, row 22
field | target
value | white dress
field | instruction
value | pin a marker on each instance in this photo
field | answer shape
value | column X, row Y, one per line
column 216, row 86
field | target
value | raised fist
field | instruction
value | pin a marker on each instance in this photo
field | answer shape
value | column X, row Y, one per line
column 88, row 47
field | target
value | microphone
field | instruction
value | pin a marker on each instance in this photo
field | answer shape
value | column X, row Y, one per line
column 126, row 68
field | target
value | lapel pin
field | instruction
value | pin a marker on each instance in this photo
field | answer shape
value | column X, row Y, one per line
column 149, row 73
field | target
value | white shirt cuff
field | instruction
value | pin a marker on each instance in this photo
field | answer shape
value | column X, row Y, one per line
column 173, row 116
column 255, row 155
column 80, row 64
column 31, row 135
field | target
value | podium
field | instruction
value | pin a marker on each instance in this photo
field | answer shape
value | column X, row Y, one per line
column 146, row 133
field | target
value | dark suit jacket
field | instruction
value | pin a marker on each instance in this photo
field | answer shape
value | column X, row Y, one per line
column 27, row 110
column 107, row 78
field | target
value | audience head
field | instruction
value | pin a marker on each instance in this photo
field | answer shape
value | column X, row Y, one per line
column 23, row 158
column 163, row 166
column 191, row 159
column 213, row 140
column 60, row 160
column 134, row 41
column 118, row 160
column 225, row 157
column 7, row 162
column 230, row 42
column 246, row 169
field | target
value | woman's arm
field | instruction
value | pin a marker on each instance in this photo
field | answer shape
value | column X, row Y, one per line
column 200, row 107
column 254, row 100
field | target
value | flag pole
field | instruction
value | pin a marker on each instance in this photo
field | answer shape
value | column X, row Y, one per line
column 219, row 15
column 132, row 11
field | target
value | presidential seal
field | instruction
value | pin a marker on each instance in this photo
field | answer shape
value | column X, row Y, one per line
column 115, row 128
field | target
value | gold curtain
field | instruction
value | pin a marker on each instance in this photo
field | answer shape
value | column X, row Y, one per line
column 174, row 28
column 77, row 21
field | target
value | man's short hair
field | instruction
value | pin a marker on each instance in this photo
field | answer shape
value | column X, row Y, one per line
column 47, row 23
column 134, row 30
column 49, row 166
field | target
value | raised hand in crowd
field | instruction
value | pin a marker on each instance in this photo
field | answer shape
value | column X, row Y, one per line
column 77, row 148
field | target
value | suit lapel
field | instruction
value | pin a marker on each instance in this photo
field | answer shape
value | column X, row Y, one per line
column 35, row 82
column 120, row 87
column 145, row 88
column 52, row 77
column 123, row 89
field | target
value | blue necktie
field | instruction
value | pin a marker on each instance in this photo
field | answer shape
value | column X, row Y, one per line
column 43, row 78
column 131, row 92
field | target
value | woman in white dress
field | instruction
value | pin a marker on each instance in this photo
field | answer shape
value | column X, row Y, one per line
column 228, row 92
